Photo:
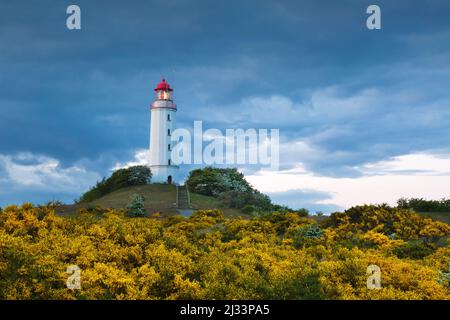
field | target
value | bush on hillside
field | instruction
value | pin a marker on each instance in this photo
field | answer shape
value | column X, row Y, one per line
column 444, row 277
column 403, row 223
column 307, row 235
column 132, row 176
column 237, row 199
column 136, row 206
column 303, row 212
column 211, row 181
column 230, row 187
column 248, row 209
column 422, row 205
column 414, row 250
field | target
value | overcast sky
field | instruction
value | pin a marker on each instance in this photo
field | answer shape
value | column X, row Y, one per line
column 364, row 116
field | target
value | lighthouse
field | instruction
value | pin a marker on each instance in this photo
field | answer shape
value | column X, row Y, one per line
column 162, row 121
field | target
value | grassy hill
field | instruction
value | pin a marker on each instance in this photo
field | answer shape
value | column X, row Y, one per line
column 440, row 216
column 162, row 198
column 158, row 198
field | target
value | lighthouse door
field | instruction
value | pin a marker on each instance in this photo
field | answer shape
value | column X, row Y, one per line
column 169, row 179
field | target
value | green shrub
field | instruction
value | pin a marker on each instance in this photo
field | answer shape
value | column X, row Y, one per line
column 213, row 214
column 415, row 250
column 307, row 235
column 261, row 214
column 248, row 209
column 211, row 181
column 132, row 176
column 444, row 277
column 303, row 212
column 136, row 206
column 230, row 187
column 422, row 205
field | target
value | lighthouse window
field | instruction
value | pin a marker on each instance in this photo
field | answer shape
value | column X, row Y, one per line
column 168, row 117
column 168, row 132
column 168, row 147
column 163, row 95
column 169, row 162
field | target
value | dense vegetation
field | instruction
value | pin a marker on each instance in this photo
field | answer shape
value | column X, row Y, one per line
column 132, row 176
column 422, row 205
column 208, row 256
column 231, row 188
column 136, row 207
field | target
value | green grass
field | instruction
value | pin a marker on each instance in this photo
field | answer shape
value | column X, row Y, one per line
column 199, row 201
column 162, row 198
column 158, row 198
column 440, row 216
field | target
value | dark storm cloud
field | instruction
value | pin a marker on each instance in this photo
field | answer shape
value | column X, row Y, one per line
column 353, row 96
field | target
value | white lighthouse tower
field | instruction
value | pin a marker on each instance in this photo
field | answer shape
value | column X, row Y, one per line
column 163, row 111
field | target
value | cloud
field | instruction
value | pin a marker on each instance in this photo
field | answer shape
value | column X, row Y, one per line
column 417, row 164
column 344, row 99
column 348, row 127
column 426, row 175
column 309, row 199
column 30, row 173
column 141, row 158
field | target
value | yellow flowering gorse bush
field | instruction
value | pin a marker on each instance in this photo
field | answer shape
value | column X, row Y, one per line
column 209, row 256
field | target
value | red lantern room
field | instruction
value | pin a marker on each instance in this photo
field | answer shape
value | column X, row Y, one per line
column 163, row 91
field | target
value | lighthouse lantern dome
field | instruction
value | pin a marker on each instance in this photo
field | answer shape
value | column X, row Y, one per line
column 163, row 91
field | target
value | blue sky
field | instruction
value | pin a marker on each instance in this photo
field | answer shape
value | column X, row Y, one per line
column 363, row 115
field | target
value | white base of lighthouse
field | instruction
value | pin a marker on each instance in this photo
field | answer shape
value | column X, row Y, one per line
column 164, row 174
